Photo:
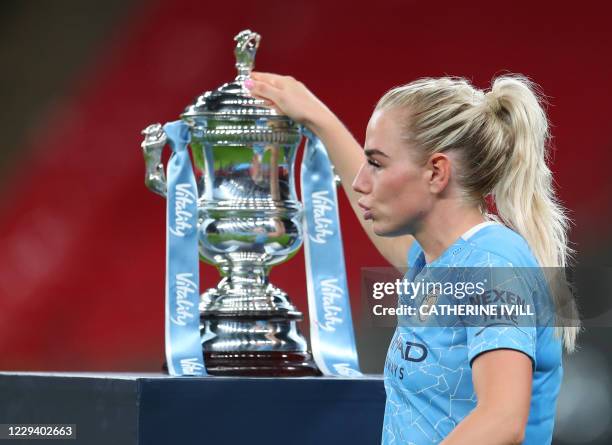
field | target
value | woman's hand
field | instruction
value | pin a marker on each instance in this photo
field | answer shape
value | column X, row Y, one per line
column 290, row 97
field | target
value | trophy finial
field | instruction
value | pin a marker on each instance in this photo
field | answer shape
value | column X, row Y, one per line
column 247, row 43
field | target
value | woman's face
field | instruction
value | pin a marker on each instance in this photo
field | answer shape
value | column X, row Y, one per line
column 395, row 189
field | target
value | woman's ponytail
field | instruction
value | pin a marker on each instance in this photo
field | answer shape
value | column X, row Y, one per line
column 524, row 194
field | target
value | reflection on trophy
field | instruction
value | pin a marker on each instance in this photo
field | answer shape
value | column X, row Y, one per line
column 249, row 219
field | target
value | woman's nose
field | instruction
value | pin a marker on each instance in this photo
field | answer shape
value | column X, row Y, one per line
column 361, row 182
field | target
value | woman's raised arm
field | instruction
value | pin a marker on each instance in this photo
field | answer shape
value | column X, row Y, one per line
column 292, row 98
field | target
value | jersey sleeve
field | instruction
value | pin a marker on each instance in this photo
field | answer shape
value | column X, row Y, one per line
column 513, row 325
column 490, row 338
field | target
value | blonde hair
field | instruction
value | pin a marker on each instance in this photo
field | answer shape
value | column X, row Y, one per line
column 501, row 139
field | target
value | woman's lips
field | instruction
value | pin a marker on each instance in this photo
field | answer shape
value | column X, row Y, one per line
column 367, row 213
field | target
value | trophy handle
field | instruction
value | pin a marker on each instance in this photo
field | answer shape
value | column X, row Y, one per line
column 152, row 147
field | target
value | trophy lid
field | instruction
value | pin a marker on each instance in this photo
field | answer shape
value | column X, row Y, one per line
column 234, row 99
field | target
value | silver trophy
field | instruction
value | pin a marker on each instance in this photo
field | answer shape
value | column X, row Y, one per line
column 249, row 219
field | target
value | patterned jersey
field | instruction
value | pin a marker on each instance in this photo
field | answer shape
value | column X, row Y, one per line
column 428, row 375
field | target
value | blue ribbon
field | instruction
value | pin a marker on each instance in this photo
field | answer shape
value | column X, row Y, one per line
column 183, row 346
column 331, row 324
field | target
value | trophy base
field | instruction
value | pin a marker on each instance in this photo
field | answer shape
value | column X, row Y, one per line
column 253, row 332
column 261, row 364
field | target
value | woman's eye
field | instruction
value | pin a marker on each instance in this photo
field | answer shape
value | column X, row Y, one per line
column 373, row 163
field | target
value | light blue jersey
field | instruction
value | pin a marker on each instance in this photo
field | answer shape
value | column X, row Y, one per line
column 428, row 374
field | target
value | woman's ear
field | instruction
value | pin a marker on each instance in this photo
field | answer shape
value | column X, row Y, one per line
column 439, row 166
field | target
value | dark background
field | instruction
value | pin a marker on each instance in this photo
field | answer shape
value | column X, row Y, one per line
column 82, row 240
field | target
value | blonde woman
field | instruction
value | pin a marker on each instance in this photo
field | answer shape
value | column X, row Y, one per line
column 434, row 150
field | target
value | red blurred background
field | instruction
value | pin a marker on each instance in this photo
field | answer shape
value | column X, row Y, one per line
column 82, row 263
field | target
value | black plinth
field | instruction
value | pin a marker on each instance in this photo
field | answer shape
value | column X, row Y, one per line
column 156, row 409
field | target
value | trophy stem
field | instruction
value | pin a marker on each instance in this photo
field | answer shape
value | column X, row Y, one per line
column 246, row 277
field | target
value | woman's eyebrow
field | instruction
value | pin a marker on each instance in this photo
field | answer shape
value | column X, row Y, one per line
column 374, row 151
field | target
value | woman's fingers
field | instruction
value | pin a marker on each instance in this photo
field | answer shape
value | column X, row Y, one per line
column 273, row 79
column 263, row 90
column 288, row 95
